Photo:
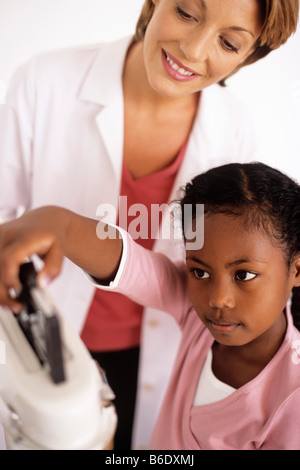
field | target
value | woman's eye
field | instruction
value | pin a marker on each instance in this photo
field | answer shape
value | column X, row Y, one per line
column 245, row 276
column 184, row 14
column 230, row 47
column 199, row 274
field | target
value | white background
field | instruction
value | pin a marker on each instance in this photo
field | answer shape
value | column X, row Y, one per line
column 269, row 89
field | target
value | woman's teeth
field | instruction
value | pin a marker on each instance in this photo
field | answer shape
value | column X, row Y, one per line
column 177, row 68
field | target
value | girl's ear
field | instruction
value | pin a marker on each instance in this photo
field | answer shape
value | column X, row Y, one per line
column 296, row 264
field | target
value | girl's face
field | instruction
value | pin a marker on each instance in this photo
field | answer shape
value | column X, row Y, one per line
column 239, row 282
column 191, row 44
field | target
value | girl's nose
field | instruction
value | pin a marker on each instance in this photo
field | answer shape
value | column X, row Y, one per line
column 221, row 295
column 196, row 46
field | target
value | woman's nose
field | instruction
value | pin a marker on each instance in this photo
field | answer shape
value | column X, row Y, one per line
column 196, row 46
column 221, row 295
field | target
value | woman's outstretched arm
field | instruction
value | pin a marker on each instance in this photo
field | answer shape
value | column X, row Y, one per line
column 54, row 233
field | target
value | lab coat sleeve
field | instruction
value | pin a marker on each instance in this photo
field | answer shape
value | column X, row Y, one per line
column 150, row 279
column 16, row 143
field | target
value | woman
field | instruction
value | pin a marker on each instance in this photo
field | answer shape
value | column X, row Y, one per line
column 135, row 118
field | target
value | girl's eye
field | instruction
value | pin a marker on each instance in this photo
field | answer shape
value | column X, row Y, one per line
column 199, row 273
column 245, row 276
column 228, row 46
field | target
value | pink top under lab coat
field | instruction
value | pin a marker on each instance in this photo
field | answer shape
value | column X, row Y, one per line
column 263, row 414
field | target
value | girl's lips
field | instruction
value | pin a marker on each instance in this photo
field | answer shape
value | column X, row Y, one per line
column 176, row 69
column 223, row 326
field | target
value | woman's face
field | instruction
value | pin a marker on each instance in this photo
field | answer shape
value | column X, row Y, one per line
column 191, row 44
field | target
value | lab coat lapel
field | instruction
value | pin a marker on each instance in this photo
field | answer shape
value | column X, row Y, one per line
column 197, row 159
column 110, row 122
column 103, row 86
column 207, row 138
column 197, row 154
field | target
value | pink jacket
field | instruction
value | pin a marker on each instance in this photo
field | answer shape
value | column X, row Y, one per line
column 263, row 414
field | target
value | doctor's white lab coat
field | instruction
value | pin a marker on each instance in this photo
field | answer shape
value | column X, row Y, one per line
column 61, row 143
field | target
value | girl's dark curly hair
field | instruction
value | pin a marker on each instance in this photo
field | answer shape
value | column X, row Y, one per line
column 267, row 200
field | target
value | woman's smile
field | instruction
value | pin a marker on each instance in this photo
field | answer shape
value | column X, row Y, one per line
column 176, row 69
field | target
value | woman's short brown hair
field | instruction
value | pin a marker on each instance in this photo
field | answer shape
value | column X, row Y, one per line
column 281, row 18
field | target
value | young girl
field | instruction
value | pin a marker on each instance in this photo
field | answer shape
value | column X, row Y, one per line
column 135, row 118
column 236, row 382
